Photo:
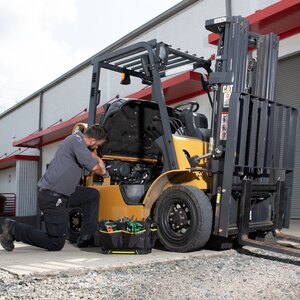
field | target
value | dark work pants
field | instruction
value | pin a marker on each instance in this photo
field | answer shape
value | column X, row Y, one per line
column 56, row 217
column 88, row 200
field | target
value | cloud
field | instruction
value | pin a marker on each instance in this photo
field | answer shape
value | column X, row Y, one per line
column 43, row 39
column 30, row 55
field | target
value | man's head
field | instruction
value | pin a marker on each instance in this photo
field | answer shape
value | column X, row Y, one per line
column 95, row 136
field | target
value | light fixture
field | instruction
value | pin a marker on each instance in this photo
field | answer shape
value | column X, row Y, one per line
column 125, row 78
column 162, row 52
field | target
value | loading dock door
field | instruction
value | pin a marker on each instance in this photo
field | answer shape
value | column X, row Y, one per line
column 288, row 92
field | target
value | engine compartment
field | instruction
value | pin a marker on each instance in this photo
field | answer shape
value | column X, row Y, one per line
column 133, row 156
column 124, row 172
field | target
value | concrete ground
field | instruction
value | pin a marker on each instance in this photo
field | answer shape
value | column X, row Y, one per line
column 294, row 228
column 27, row 260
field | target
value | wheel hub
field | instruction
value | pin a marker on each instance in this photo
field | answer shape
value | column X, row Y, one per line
column 178, row 218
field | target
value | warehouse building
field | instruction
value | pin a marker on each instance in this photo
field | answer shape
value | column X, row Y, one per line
column 35, row 126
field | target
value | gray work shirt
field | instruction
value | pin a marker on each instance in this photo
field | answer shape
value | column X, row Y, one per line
column 65, row 169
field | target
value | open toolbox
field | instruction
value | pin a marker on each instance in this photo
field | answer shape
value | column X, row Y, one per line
column 126, row 236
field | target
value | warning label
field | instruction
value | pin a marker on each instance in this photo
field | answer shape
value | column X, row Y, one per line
column 224, row 126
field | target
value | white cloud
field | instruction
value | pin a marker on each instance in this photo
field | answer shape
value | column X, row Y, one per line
column 42, row 39
column 30, row 56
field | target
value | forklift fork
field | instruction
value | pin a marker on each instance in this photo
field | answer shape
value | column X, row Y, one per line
column 243, row 226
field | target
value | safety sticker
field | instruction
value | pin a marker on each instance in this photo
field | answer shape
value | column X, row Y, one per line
column 227, row 90
column 224, row 126
column 218, row 198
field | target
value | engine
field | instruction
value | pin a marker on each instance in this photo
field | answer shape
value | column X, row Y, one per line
column 132, row 173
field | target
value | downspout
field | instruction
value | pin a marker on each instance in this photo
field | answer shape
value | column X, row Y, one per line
column 228, row 8
column 40, row 161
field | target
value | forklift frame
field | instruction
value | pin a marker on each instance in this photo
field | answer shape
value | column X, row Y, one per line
column 253, row 136
column 149, row 61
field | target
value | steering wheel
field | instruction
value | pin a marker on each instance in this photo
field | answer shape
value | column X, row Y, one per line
column 193, row 106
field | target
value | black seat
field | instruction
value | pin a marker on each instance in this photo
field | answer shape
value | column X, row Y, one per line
column 196, row 125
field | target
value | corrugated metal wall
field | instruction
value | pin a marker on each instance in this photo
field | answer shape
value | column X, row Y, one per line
column 26, row 188
column 288, row 86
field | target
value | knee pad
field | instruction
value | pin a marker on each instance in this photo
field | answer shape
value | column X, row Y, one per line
column 56, row 244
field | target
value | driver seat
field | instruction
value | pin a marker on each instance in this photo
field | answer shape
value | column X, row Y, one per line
column 196, row 125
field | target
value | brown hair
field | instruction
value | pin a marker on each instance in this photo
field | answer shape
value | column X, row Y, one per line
column 97, row 132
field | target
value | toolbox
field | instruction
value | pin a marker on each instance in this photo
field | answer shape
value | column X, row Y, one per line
column 126, row 236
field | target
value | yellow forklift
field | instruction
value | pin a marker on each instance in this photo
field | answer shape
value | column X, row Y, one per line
column 202, row 184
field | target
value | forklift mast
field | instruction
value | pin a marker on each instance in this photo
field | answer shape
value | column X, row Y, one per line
column 253, row 135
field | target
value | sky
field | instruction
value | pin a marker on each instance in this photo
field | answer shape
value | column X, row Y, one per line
column 42, row 39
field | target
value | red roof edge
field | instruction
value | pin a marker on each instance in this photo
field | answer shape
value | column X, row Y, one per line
column 278, row 14
column 55, row 131
column 10, row 161
column 146, row 92
column 289, row 33
column 39, row 134
column 175, row 89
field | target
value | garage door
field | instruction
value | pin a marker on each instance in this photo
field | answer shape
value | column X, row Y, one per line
column 288, row 87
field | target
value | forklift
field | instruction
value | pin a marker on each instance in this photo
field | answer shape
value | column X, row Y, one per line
column 220, row 184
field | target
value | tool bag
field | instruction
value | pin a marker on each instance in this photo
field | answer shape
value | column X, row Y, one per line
column 126, row 236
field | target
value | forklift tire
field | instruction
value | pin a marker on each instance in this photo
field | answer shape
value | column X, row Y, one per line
column 183, row 215
column 75, row 220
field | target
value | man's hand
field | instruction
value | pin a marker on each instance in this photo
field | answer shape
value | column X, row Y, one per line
column 105, row 175
column 100, row 168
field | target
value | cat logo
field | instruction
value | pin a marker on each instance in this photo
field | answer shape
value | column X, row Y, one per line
column 227, row 90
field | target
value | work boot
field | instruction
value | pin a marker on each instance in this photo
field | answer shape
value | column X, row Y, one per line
column 85, row 241
column 7, row 236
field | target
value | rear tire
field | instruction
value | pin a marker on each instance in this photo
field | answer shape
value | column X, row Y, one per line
column 183, row 215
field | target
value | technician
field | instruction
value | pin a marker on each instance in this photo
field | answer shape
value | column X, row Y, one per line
column 59, row 189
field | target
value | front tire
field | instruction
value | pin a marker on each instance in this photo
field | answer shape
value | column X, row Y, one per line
column 183, row 216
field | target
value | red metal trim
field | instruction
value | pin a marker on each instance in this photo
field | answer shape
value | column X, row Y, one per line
column 27, row 157
column 142, row 94
column 147, row 92
column 52, row 134
column 10, row 161
column 44, row 132
column 289, row 33
column 281, row 18
column 178, row 88
column 184, row 86
column 187, row 96
column 52, row 141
